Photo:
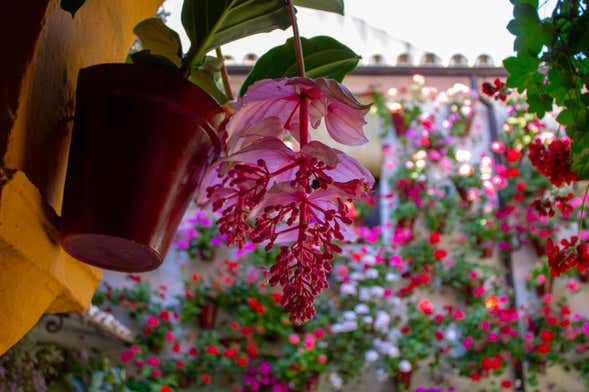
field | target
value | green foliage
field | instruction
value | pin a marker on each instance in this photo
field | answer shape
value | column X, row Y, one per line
column 561, row 44
column 212, row 23
column 28, row 366
column 159, row 39
column 336, row 6
column 324, row 57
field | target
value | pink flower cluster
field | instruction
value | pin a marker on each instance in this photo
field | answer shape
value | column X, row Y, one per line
column 269, row 192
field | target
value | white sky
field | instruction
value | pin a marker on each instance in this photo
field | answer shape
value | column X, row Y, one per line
column 445, row 27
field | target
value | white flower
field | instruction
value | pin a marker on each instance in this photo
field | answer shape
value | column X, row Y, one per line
column 336, row 381
column 362, row 309
column 371, row 356
column 346, row 326
column 371, row 273
column 382, row 321
column 349, row 315
column 381, row 375
column 451, row 334
column 369, row 260
column 377, row 291
column 364, row 294
column 355, row 276
column 393, row 351
column 348, row 289
column 390, row 277
column 367, row 319
column 405, row 366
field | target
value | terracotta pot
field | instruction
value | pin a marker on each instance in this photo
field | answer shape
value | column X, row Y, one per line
column 538, row 247
column 487, row 252
column 399, row 123
column 463, row 193
column 403, row 380
column 142, row 140
column 207, row 316
column 313, row 382
column 584, row 276
column 545, row 288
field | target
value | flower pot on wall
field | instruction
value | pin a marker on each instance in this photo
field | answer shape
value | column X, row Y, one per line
column 142, row 139
column 207, row 316
column 399, row 123
column 402, row 380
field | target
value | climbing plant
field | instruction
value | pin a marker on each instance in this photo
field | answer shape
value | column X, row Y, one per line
column 552, row 67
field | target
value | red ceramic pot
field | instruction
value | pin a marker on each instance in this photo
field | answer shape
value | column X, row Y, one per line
column 207, row 316
column 403, row 380
column 142, row 140
column 399, row 123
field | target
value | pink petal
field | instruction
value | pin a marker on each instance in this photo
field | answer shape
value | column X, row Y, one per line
column 348, row 168
column 344, row 115
column 324, row 153
column 270, row 126
column 271, row 150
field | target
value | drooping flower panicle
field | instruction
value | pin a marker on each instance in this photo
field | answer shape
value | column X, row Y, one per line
column 269, row 193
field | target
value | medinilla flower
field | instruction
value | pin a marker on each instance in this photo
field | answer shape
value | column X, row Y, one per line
column 268, row 193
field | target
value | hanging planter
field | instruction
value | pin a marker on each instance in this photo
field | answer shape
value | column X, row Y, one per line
column 402, row 380
column 142, row 139
column 208, row 315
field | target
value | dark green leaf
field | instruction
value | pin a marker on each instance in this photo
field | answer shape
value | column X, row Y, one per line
column 72, row 6
column 566, row 117
column 324, row 57
column 212, row 23
column 539, row 103
column 523, row 72
column 533, row 3
column 336, row 6
column 159, row 39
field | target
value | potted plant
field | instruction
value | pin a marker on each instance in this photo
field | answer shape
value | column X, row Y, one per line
column 198, row 236
column 145, row 132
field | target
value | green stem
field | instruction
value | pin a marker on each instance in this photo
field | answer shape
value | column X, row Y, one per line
column 224, row 74
column 297, row 40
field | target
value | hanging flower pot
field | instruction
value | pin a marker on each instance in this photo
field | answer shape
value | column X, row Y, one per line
column 207, row 316
column 545, row 287
column 399, row 123
column 403, row 380
column 312, row 383
column 142, row 139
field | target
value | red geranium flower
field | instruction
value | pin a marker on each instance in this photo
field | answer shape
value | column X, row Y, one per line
column 425, row 306
column 554, row 161
column 543, row 348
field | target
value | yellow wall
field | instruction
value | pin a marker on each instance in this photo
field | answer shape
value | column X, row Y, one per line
column 44, row 49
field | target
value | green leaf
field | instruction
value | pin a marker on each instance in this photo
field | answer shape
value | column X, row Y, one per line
column 523, row 72
column 71, row 6
column 159, row 39
column 212, row 23
column 324, row 57
column 566, row 117
column 336, row 6
column 533, row 3
column 205, row 80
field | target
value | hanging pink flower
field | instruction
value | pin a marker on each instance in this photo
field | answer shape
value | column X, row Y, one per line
column 296, row 198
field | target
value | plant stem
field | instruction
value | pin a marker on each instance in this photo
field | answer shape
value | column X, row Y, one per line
column 224, row 74
column 297, row 40
column 582, row 212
